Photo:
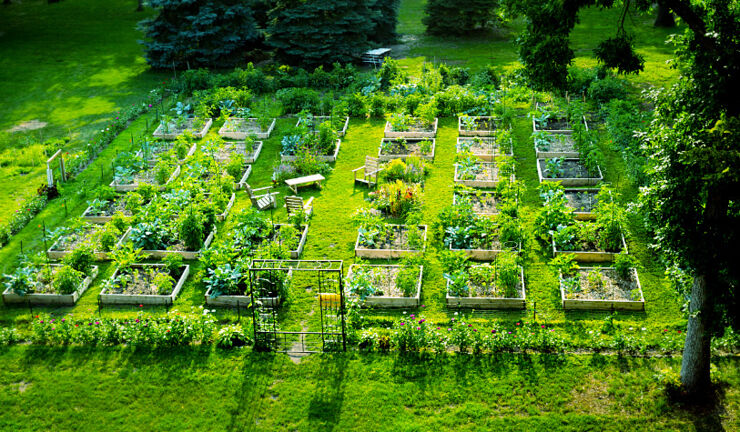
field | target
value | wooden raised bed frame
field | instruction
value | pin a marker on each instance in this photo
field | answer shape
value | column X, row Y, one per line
column 489, row 302
column 389, row 157
column 486, row 157
column 145, row 299
column 188, row 255
column 389, row 133
column 48, row 299
column 485, row 184
column 590, row 256
column 324, row 158
column 568, row 181
column 321, row 119
column 477, row 133
column 363, row 252
column 99, row 255
column 237, row 135
column 159, row 132
column 130, row 187
column 240, row 301
column 556, row 154
column 391, row 302
column 600, row 304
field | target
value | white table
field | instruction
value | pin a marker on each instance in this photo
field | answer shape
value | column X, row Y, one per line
column 304, row 181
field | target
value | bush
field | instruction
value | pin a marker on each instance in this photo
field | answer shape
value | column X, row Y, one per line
column 192, row 231
column 295, row 100
column 606, row 89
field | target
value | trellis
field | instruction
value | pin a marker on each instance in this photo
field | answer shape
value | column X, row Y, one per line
column 330, row 287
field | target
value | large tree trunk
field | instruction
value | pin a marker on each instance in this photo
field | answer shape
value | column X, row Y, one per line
column 696, row 352
column 664, row 17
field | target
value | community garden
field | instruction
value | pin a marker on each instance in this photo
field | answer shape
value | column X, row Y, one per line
column 452, row 240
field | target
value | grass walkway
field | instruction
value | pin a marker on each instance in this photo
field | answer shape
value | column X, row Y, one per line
column 71, row 65
column 196, row 388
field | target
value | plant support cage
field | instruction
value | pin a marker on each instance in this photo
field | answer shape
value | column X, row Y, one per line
column 324, row 279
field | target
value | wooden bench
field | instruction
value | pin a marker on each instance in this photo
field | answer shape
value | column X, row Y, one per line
column 294, row 183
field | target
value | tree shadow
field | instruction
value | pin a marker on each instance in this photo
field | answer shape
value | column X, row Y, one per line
column 325, row 406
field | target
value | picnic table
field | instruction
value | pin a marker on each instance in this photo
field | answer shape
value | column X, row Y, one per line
column 376, row 56
column 304, row 181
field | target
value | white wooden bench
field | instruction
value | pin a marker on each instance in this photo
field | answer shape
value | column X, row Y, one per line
column 294, row 183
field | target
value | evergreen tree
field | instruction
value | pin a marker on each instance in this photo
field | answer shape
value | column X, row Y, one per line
column 385, row 18
column 311, row 33
column 200, row 33
column 460, row 17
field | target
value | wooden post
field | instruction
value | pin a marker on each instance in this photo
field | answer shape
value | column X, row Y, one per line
column 50, row 171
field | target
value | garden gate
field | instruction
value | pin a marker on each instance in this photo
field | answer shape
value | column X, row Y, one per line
column 325, row 277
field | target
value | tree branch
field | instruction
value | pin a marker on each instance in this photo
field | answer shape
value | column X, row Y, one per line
column 693, row 19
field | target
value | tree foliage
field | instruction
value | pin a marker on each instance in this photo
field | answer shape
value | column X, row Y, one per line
column 460, row 17
column 320, row 31
column 200, row 33
column 385, row 19
column 692, row 203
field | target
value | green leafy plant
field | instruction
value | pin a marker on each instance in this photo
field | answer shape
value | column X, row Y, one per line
column 67, row 280
column 191, row 230
column 81, row 259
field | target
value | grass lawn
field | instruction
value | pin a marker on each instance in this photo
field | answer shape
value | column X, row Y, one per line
column 498, row 49
column 70, row 65
column 200, row 389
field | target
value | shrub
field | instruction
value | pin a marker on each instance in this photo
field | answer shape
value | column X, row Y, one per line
column 606, row 89
column 295, row 100
column 461, row 17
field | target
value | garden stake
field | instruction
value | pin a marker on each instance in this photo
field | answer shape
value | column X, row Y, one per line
column 21, row 247
column 30, row 308
column 534, row 312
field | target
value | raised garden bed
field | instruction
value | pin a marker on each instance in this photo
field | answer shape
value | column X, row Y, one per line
column 384, row 279
column 141, row 291
column 591, row 255
column 240, row 128
column 48, row 297
column 485, row 149
column 106, row 213
column 188, row 125
column 484, row 126
column 245, row 299
column 583, row 202
column 489, row 253
column 557, row 124
column 65, row 244
column 484, row 202
column 571, row 173
column 295, row 253
column 223, row 215
column 401, row 148
column 395, row 246
column 416, row 130
column 481, row 297
column 143, row 177
column 159, row 148
column 606, row 291
column 186, row 254
column 317, row 120
column 240, row 147
column 550, row 145
column 325, row 158
column 480, row 175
